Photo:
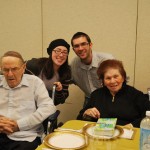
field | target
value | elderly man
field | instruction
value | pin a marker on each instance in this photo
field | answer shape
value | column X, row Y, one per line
column 24, row 105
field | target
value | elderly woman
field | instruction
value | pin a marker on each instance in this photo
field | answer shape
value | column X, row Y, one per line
column 54, row 69
column 115, row 99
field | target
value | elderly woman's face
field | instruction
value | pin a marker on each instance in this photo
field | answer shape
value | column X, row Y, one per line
column 113, row 80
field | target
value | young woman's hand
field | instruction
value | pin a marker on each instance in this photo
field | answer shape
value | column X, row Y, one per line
column 58, row 86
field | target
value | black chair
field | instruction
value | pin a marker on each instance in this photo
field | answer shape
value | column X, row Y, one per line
column 146, row 95
column 51, row 123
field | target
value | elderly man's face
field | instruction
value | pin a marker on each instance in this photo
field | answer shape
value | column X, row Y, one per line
column 13, row 70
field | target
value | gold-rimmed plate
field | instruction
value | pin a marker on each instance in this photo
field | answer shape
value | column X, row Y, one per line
column 89, row 131
column 65, row 140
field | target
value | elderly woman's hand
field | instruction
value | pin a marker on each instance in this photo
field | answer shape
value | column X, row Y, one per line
column 92, row 112
column 58, row 86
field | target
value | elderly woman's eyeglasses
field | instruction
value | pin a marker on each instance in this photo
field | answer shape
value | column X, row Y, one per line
column 58, row 52
column 77, row 46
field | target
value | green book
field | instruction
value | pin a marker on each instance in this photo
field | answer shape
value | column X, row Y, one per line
column 105, row 126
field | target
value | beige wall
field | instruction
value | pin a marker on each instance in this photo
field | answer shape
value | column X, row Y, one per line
column 20, row 27
column 142, row 62
column 120, row 27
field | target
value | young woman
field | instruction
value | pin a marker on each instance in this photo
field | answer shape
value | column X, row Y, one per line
column 53, row 70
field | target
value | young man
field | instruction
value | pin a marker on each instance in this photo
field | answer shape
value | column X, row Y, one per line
column 84, row 65
column 24, row 105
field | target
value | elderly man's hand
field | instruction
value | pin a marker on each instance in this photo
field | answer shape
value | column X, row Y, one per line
column 7, row 125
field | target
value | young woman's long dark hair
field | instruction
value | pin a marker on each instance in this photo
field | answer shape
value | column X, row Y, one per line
column 64, row 70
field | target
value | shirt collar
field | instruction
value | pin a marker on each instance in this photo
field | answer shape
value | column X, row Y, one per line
column 94, row 63
column 23, row 82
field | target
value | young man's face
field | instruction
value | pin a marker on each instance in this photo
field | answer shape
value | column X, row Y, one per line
column 82, row 48
column 13, row 70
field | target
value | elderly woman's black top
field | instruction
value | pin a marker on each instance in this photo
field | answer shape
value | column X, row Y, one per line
column 129, row 105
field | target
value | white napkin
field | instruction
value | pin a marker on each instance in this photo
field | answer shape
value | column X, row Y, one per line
column 47, row 149
column 127, row 134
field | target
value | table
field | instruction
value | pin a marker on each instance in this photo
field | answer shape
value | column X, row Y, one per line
column 117, row 144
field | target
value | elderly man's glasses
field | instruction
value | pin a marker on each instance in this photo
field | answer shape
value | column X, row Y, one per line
column 13, row 70
column 59, row 51
column 77, row 46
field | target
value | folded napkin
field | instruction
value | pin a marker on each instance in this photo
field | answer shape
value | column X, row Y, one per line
column 47, row 149
column 128, row 133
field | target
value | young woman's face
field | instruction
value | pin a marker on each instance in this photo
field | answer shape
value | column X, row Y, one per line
column 59, row 55
column 113, row 80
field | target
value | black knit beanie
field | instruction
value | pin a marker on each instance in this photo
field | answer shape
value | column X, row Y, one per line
column 57, row 42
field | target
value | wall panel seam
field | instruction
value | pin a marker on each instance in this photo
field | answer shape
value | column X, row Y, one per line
column 136, row 41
